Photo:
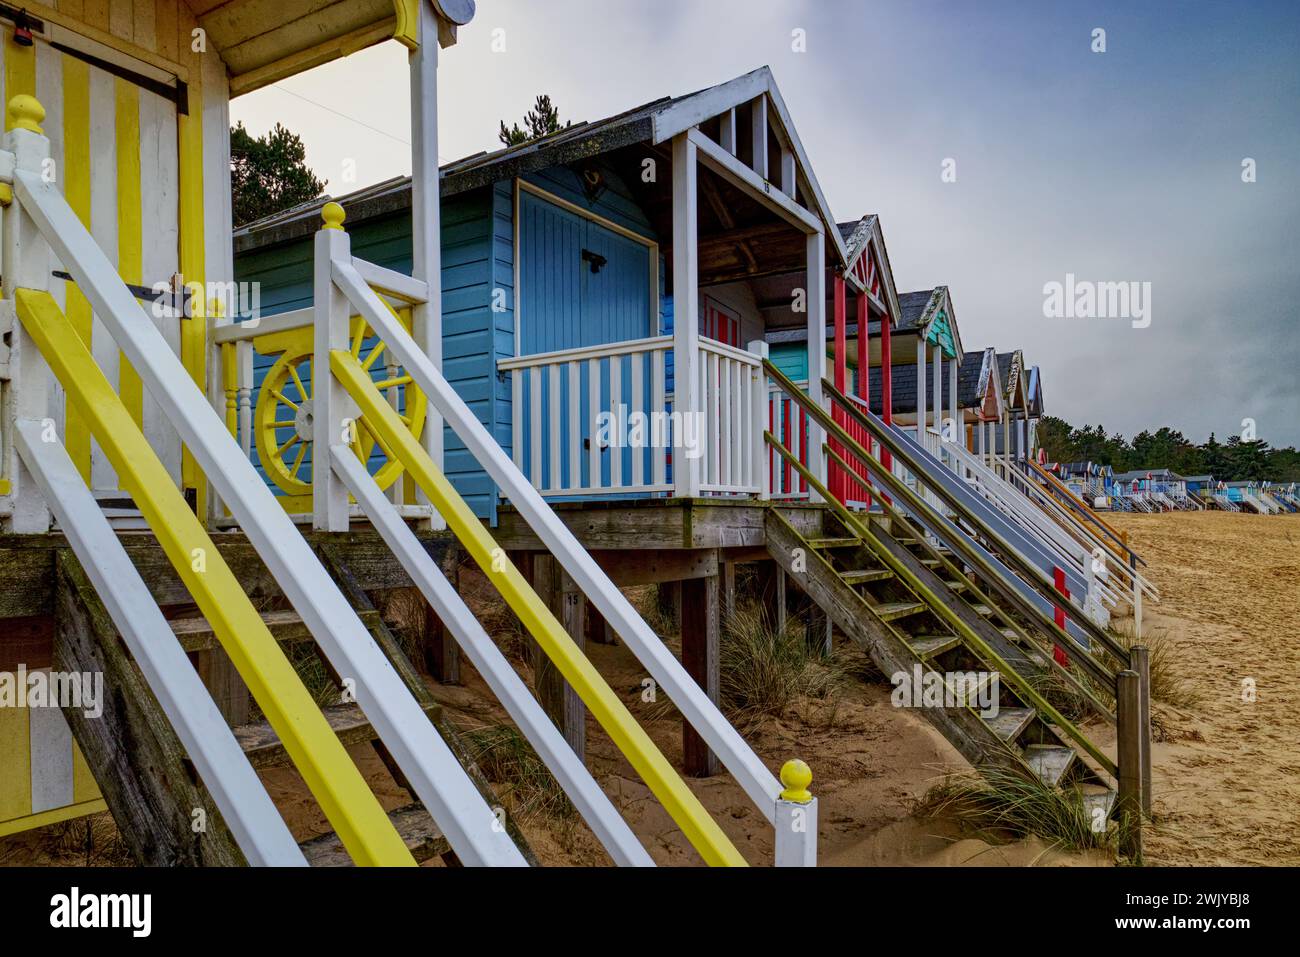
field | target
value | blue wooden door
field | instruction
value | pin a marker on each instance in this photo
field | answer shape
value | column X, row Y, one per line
column 581, row 284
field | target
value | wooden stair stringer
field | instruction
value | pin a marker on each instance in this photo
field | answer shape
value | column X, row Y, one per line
column 962, row 727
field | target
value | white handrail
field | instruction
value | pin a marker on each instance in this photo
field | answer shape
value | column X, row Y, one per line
column 556, row 753
column 623, row 348
column 423, row 756
column 245, row 806
column 696, row 708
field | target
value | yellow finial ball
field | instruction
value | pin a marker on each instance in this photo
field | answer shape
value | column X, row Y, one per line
column 333, row 215
column 26, row 113
column 796, row 776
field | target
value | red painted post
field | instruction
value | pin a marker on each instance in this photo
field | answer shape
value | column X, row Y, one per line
column 886, row 385
column 864, row 380
column 1058, row 579
column 839, row 481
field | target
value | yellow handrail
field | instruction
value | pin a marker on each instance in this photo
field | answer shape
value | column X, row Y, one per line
column 396, row 440
column 333, row 778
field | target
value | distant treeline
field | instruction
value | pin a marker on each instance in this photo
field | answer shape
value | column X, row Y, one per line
column 1232, row 460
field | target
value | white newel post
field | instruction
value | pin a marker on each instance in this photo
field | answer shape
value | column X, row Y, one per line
column 686, row 321
column 816, row 301
column 937, row 389
column 921, row 411
column 329, row 401
column 796, row 818
column 26, row 266
column 426, row 233
column 759, row 404
column 954, row 407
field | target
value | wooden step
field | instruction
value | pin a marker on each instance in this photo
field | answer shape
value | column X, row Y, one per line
column 930, row 646
column 413, row 823
column 959, row 585
column 195, row 634
column 983, row 610
column 1049, row 761
column 864, row 575
column 892, row 611
column 931, row 562
column 1009, row 723
column 1097, row 796
column 265, row 750
column 829, row 543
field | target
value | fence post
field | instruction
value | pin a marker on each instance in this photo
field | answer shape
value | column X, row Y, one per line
column 1140, row 662
column 758, row 412
column 26, row 266
column 328, row 398
column 796, row 818
column 1128, row 711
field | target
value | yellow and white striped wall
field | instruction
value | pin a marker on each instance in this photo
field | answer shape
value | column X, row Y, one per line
column 153, row 188
column 113, row 150
column 43, row 777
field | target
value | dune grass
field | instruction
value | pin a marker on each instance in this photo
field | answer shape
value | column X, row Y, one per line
column 764, row 670
column 1002, row 802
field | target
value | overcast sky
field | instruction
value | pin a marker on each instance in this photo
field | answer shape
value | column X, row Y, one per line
column 1123, row 165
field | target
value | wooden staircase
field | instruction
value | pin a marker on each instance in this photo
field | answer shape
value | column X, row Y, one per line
column 160, row 805
column 904, row 602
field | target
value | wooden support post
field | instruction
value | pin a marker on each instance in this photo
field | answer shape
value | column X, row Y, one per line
column 670, row 601
column 1128, row 722
column 218, row 674
column 700, row 635
column 728, row 589
column 441, row 653
column 819, row 628
column 598, row 629
column 558, row 698
column 1140, row 662
column 778, row 622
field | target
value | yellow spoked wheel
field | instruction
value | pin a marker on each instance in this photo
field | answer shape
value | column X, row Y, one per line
column 283, row 419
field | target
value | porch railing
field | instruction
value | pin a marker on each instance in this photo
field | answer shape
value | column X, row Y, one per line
column 602, row 420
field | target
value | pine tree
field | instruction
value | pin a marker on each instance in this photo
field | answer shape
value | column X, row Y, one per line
column 269, row 173
column 542, row 120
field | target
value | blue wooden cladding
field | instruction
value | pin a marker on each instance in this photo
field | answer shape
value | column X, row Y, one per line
column 574, row 305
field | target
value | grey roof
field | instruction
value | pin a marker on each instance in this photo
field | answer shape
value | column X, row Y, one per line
column 903, row 385
column 911, row 307
column 1199, row 479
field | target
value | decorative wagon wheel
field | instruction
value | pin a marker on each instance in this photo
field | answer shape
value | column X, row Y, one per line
column 283, row 419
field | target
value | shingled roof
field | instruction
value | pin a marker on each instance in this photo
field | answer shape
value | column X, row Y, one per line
column 903, row 385
column 911, row 308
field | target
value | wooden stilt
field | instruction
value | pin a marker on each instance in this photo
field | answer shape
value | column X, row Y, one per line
column 701, row 614
column 728, row 589
column 558, row 699
column 1128, row 809
column 598, row 630
column 441, row 653
column 218, row 674
column 1140, row 662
